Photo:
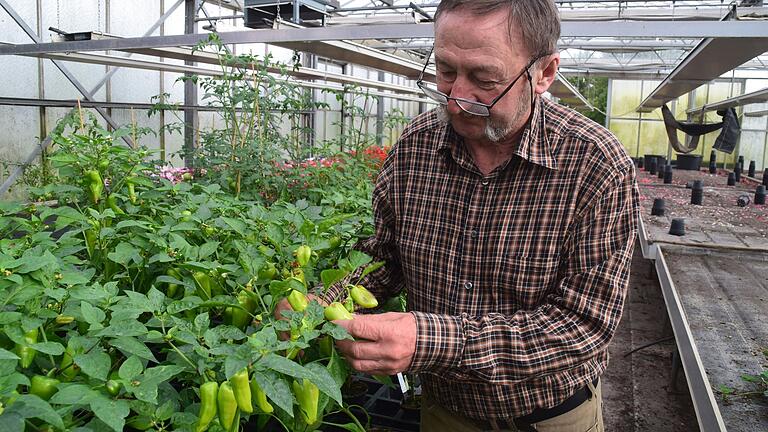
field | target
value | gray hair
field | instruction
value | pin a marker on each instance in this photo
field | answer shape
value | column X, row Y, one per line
column 538, row 20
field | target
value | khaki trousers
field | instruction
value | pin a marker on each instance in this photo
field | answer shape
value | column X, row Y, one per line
column 587, row 417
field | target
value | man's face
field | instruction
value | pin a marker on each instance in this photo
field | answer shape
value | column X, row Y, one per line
column 476, row 60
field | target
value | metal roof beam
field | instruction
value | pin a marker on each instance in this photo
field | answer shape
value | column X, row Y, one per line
column 693, row 29
column 758, row 96
column 709, row 60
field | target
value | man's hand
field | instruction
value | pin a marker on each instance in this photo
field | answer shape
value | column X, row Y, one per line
column 384, row 345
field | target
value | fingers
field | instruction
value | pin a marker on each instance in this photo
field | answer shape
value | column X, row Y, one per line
column 384, row 343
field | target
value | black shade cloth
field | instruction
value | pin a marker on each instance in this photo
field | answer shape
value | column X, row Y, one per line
column 693, row 129
column 726, row 142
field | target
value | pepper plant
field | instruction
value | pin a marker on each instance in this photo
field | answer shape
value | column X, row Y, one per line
column 139, row 303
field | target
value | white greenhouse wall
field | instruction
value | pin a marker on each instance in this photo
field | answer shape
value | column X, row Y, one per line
column 28, row 77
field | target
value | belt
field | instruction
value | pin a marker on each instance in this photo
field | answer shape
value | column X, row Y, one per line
column 526, row 423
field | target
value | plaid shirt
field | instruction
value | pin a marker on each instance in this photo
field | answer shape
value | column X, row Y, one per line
column 517, row 279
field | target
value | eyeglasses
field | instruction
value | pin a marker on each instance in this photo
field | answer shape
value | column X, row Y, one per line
column 468, row 106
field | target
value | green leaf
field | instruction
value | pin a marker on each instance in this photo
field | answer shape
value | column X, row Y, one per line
column 750, row 378
column 52, row 348
column 276, row 388
column 187, row 303
column 92, row 314
column 284, row 366
column 9, row 317
column 147, row 390
column 77, row 277
column 7, row 355
column 161, row 257
column 110, row 411
column 358, row 259
column 372, row 268
column 331, row 276
column 31, row 263
column 130, row 369
column 156, row 299
column 125, row 253
column 31, row 406
column 118, row 328
column 131, row 345
column 131, row 223
column 352, row 427
column 95, row 363
column 73, row 394
column 236, row 224
column 11, row 421
column 324, row 381
column 208, row 249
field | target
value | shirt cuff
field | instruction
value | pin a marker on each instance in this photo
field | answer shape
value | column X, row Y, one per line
column 439, row 342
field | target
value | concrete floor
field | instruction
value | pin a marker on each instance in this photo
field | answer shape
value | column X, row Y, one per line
column 637, row 390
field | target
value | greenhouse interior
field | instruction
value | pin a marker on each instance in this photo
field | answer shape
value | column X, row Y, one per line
column 260, row 215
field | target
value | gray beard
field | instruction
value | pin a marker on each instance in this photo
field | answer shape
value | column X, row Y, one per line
column 495, row 131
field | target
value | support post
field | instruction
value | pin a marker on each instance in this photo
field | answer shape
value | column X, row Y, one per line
column 380, row 116
column 190, row 87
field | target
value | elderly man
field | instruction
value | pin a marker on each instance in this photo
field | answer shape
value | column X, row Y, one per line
column 509, row 220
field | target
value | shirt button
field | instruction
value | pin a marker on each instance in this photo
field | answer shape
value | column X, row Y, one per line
column 473, row 234
column 485, row 182
column 468, row 285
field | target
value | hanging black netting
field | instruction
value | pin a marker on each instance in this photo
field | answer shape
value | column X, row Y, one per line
column 726, row 142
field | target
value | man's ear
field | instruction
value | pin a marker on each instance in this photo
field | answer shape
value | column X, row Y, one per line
column 547, row 73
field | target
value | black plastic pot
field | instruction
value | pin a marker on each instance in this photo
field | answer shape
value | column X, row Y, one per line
column 678, row 227
column 712, row 163
column 689, row 162
column 737, row 173
column 652, row 166
column 697, row 192
column 751, row 171
column 760, row 195
column 731, row 179
column 660, row 160
column 667, row 174
column 765, row 177
column 658, row 207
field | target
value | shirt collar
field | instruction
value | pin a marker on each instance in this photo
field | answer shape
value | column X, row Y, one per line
column 534, row 144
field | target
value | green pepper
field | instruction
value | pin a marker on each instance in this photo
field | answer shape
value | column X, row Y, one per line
column 91, row 237
column 227, row 406
column 241, row 386
column 363, row 297
column 112, row 203
column 325, row 346
column 349, row 305
column 298, row 301
column 337, row 311
column 261, row 398
column 298, row 274
column 43, row 387
column 268, row 272
column 241, row 317
column 113, row 387
column 25, row 352
column 67, row 368
column 303, row 255
column 208, row 393
column 307, row 394
column 203, row 282
column 95, row 185
column 131, row 190
column 64, row 319
column 173, row 288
